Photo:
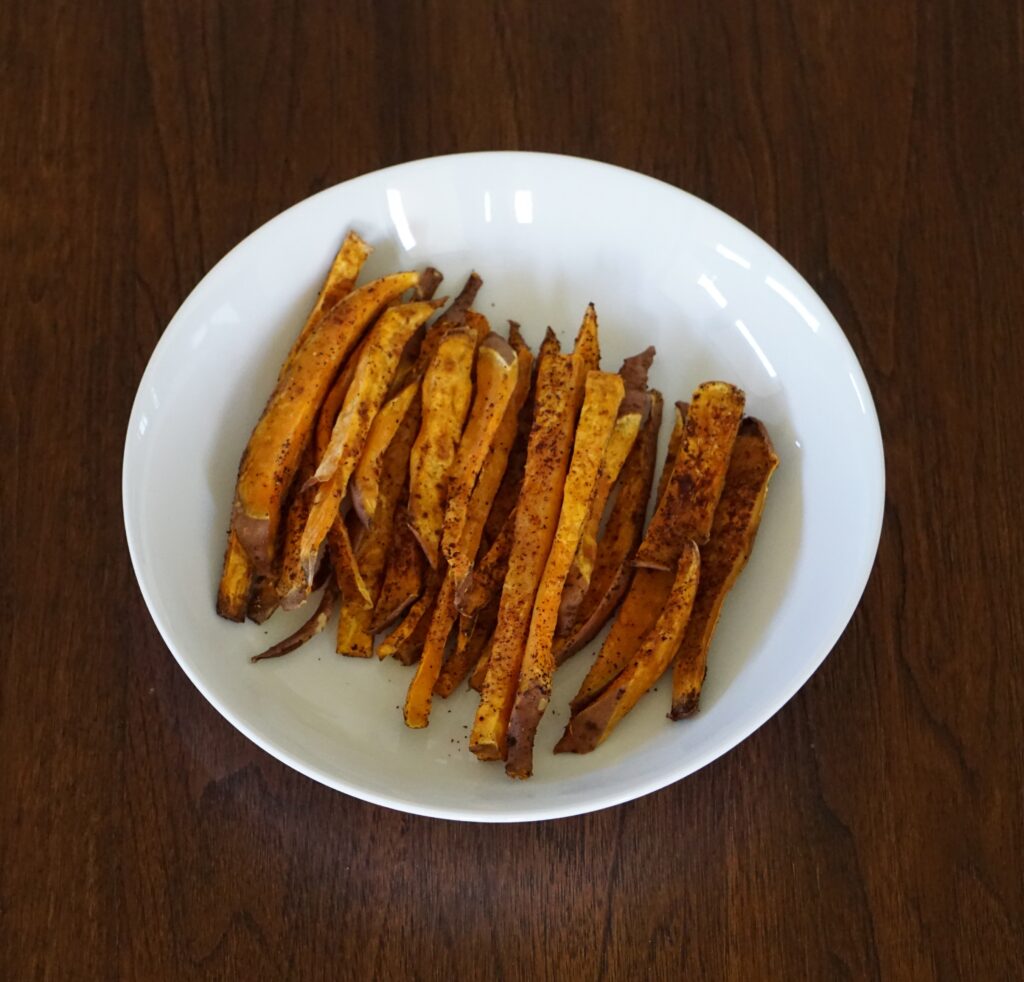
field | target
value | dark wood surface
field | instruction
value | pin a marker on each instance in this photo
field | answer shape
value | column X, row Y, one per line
column 872, row 829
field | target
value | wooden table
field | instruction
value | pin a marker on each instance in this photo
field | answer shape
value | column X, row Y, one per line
column 872, row 829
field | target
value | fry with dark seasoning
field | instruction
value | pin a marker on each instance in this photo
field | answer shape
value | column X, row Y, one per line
column 737, row 519
column 275, row 448
column 688, row 505
column 590, row 726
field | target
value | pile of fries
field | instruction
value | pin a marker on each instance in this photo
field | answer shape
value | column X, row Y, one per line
column 479, row 513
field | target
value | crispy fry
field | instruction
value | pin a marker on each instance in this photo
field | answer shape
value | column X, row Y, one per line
column 430, row 280
column 476, row 680
column 235, row 581
column 237, row 577
column 354, row 636
column 403, row 579
column 447, row 389
column 474, row 634
column 310, row 629
column 591, row 726
column 604, row 393
column 624, row 435
column 343, row 561
column 722, row 560
column 483, row 453
column 291, row 583
column 367, row 476
column 408, row 636
column 586, row 351
column 452, row 319
column 341, row 277
column 483, row 584
column 497, row 371
column 688, row 506
column 559, row 394
column 421, row 688
column 675, row 441
column 370, row 383
column 276, row 445
column 613, row 569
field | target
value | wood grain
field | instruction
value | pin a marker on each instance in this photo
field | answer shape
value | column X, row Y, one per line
column 872, row 829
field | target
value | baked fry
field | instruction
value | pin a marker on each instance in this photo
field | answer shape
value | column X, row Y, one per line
column 354, row 635
column 590, row 726
column 370, row 383
column 403, row 578
column 237, row 576
column 476, row 680
column 733, row 530
column 633, row 410
column 446, row 393
column 279, row 439
column 598, row 417
column 310, row 629
column 613, row 568
column 292, row 585
column 341, row 277
column 408, row 636
column 473, row 636
column 419, row 697
column 559, row 394
column 367, row 476
column 688, row 506
column 675, row 441
column 235, row 581
column 497, row 371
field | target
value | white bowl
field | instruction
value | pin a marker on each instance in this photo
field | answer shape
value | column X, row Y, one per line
column 548, row 234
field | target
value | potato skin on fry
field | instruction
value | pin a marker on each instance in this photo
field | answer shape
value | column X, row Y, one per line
column 279, row 439
column 688, row 506
column 735, row 526
column 589, row 727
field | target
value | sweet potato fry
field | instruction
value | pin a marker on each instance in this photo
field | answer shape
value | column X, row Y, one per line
column 476, row 680
column 688, row 506
column 367, row 476
column 497, row 371
column 558, row 395
column 483, row 584
column 645, row 597
column 403, row 578
column 279, row 439
column 511, row 482
column 310, row 629
column 604, row 393
column 632, row 412
column 341, row 277
column 291, row 583
column 592, row 725
column 237, row 577
column 613, row 569
column 370, row 383
column 411, row 630
column 484, row 446
column 354, row 636
column 419, row 697
column 235, row 581
column 474, row 634
column 343, row 561
column 447, row 389
column 733, row 530
column 675, row 441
